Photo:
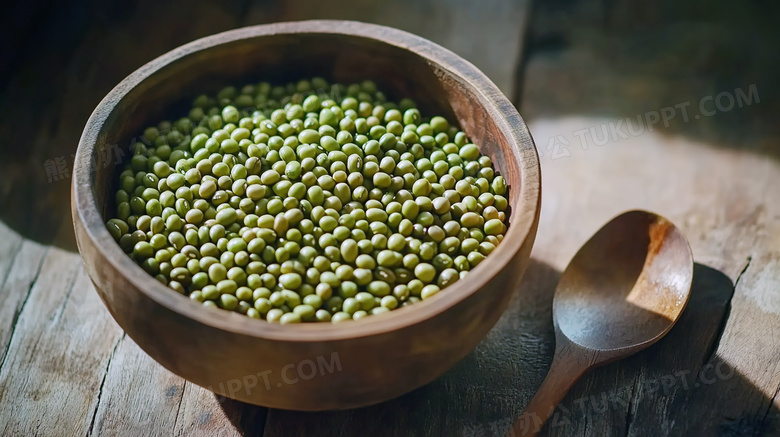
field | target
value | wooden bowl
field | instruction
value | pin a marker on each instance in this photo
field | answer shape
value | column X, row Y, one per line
column 317, row 366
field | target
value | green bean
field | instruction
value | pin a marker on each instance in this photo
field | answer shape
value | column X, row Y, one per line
column 316, row 211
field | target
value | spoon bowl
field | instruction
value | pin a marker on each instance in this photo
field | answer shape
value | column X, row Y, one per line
column 626, row 286
column 622, row 291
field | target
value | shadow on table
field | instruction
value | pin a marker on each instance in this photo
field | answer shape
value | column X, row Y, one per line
column 248, row 419
column 677, row 387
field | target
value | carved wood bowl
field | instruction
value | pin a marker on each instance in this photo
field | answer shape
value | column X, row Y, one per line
column 317, row 366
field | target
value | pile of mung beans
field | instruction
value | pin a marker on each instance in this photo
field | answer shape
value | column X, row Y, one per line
column 307, row 202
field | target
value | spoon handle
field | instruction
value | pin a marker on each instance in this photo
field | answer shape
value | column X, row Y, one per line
column 566, row 369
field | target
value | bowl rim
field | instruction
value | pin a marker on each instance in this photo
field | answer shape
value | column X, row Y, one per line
column 509, row 121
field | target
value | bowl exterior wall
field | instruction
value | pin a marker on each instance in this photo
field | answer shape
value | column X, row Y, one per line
column 229, row 354
column 307, row 376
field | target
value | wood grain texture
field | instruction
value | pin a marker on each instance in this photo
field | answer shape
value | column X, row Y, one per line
column 730, row 222
column 137, row 397
column 705, row 177
column 595, row 65
column 202, row 413
column 69, row 370
column 54, row 365
column 20, row 265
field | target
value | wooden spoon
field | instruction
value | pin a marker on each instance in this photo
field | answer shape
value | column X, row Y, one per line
column 624, row 289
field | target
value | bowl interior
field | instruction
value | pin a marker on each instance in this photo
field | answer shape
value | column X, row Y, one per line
column 279, row 59
column 438, row 81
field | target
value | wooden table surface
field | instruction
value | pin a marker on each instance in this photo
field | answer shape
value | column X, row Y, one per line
column 588, row 73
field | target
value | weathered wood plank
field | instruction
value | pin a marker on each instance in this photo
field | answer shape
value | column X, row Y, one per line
column 57, row 356
column 10, row 242
column 202, row 413
column 138, row 397
column 732, row 227
column 716, row 178
column 20, row 264
column 726, row 202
